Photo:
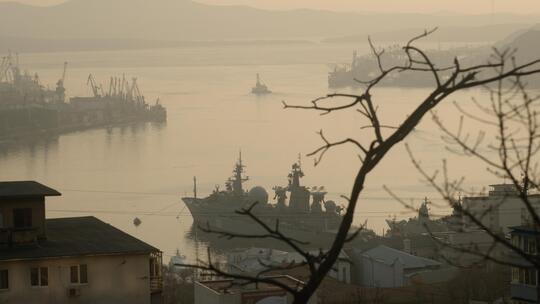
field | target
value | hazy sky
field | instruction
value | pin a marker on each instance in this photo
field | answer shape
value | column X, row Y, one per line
column 423, row 6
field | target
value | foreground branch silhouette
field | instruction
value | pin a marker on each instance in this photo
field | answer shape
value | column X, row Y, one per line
column 508, row 144
column 372, row 150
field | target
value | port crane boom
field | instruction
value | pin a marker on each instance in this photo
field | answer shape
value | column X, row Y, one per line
column 93, row 85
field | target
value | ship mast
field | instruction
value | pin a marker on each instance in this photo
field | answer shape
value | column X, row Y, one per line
column 238, row 177
column 296, row 174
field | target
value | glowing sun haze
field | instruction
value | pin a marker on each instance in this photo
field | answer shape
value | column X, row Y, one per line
column 394, row 6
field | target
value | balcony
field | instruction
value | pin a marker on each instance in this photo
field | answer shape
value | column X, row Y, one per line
column 156, row 284
column 524, row 292
column 156, row 272
column 18, row 236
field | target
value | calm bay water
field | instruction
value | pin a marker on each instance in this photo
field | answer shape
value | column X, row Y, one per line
column 142, row 171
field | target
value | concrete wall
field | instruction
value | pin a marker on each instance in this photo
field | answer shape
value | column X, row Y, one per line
column 479, row 238
column 38, row 212
column 205, row 295
column 111, row 280
column 341, row 271
column 508, row 211
column 378, row 274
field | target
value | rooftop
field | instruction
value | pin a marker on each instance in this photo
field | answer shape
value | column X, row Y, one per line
column 25, row 189
column 80, row 236
column 525, row 229
column 231, row 286
column 389, row 255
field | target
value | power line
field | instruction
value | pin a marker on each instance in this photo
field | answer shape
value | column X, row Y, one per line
column 179, row 195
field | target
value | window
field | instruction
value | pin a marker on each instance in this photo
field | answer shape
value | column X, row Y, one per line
column 515, row 275
column 154, row 267
column 79, row 274
column 4, row 279
column 526, row 276
column 39, row 276
column 22, row 218
column 532, row 245
column 516, row 240
column 344, row 271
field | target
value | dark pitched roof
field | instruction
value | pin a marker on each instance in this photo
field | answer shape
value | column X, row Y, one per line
column 25, row 189
column 390, row 255
column 80, row 236
column 225, row 286
column 523, row 230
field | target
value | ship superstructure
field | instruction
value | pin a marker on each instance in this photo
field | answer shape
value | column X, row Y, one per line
column 302, row 212
column 260, row 88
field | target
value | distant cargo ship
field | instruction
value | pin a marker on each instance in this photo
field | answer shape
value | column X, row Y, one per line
column 27, row 108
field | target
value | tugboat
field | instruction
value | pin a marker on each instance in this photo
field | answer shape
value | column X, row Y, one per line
column 316, row 222
column 260, row 88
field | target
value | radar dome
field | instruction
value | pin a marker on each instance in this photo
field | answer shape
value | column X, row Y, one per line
column 258, row 194
column 330, row 206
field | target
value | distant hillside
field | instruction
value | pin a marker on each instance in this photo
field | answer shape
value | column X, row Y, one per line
column 527, row 45
column 180, row 20
column 486, row 33
column 28, row 45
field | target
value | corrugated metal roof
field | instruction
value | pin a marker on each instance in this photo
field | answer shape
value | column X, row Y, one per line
column 389, row 255
column 81, row 236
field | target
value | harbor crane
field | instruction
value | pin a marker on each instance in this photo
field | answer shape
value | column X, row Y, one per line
column 93, row 85
column 60, row 88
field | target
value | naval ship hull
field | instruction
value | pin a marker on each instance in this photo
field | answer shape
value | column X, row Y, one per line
column 299, row 226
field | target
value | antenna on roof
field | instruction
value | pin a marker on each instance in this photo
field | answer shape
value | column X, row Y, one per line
column 195, row 187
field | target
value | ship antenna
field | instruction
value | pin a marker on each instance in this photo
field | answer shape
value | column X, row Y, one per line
column 240, row 158
column 300, row 160
column 195, row 187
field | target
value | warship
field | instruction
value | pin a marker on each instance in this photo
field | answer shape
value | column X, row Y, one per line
column 365, row 67
column 421, row 224
column 29, row 109
column 260, row 88
column 303, row 213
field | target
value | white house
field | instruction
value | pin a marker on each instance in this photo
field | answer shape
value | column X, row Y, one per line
column 254, row 260
column 500, row 209
column 386, row 267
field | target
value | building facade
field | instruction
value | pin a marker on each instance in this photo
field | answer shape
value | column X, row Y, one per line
column 385, row 267
column 254, row 260
column 500, row 209
column 524, row 286
column 69, row 260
